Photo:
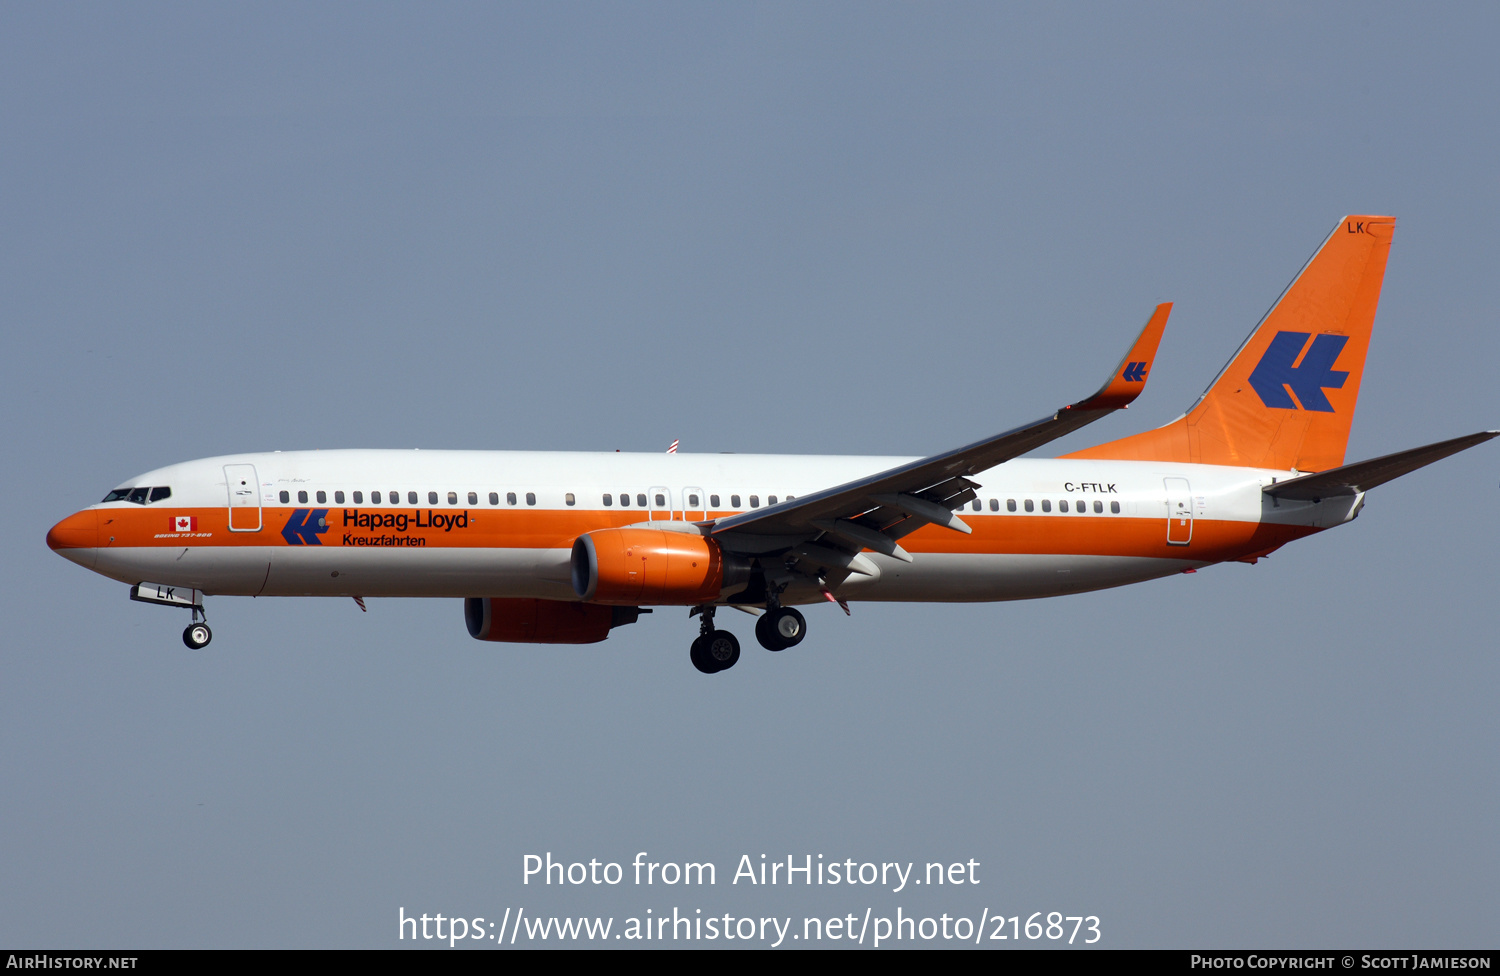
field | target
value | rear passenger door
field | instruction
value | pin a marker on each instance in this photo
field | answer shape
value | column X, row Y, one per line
column 1179, row 511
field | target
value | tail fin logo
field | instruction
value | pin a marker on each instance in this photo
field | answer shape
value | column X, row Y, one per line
column 1276, row 371
column 1134, row 373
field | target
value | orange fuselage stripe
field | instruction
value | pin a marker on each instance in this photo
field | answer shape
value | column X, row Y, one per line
column 1213, row 540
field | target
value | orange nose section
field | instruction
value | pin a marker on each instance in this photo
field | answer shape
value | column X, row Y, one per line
column 78, row 531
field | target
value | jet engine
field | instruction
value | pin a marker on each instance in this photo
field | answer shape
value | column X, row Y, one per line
column 654, row 566
column 543, row 621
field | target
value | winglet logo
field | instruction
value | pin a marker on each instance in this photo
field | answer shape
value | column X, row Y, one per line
column 1276, row 371
column 1134, row 372
column 304, row 526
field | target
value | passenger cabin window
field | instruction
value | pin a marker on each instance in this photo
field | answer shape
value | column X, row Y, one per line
column 1098, row 508
column 568, row 498
column 770, row 499
column 285, row 497
column 978, row 505
column 411, row 498
column 432, row 498
column 1046, row 504
column 608, row 500
column 531, row 498
column 473, row 498
column 1010, row 505
column 359, row 498
column 322, row 498
column 692, row 501
column 374, row 498
column 994, row 504
column 302, row 498
column 1114, row 507
column 713, row 501
column 1062, row 506
column 494, row 498
column 755, row 501
column 510, row 498
column 160, row 494
column 734, row 501
column 661, row 501
column 1029, row 506
column 338, row 498
column 624, row 500
column 640, row 500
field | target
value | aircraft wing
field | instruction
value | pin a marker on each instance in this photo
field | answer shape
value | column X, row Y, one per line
column 1364, row 475
column 874, row 512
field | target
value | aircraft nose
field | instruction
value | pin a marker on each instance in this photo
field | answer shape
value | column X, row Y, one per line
column 76, row 537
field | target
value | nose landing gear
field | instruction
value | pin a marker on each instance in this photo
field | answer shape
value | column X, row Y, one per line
column 197, row 635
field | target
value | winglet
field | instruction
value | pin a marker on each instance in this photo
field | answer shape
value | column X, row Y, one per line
column 1129, row 378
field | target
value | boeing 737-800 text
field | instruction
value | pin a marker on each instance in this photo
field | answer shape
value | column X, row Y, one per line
column 560, row 548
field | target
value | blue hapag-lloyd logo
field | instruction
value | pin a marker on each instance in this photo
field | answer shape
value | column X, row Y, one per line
column 1134, row 372
column 1308, row 379
column 304, row 527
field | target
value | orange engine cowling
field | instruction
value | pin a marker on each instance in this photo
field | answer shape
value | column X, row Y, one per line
column 653, row 566
column 523, row 621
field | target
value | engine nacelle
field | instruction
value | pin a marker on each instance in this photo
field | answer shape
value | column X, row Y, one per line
column 543, row 621
column 653, row 566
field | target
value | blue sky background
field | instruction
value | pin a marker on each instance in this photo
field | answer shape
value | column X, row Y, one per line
column 829, row 228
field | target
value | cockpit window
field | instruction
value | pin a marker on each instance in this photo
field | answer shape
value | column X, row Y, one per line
column 139, row 496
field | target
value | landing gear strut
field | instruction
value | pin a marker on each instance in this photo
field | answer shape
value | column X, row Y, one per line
column 714, row 650
column 197, row 635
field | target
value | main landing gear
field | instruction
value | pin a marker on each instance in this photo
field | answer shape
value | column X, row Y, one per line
column 718, row 650
column 714, row 650
column 197, row 635
column 779, row 628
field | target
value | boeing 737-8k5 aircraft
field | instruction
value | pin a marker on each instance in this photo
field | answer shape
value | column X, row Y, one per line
column 560, row 548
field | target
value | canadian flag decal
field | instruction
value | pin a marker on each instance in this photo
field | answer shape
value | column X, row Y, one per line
column 185, row 523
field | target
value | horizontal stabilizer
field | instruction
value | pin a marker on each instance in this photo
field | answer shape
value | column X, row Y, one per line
column 1354, row 478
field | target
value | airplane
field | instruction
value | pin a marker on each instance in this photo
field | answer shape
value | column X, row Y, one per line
column 560, row 548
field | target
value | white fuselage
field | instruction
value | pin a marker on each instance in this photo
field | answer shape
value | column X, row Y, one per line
column 502, row 524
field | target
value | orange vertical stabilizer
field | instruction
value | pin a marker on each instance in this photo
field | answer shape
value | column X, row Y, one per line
column 1287, row 397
